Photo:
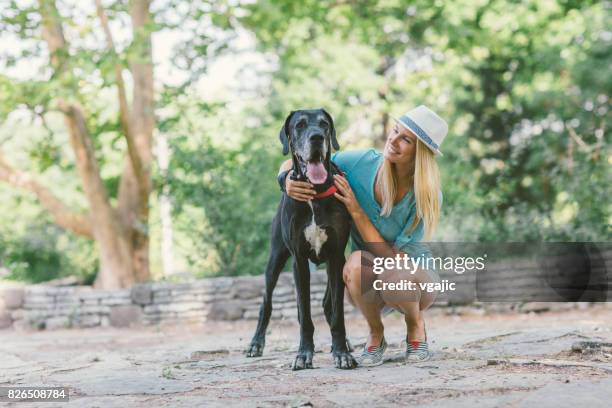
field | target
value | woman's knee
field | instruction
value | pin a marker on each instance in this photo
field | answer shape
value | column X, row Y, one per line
column 352, row 268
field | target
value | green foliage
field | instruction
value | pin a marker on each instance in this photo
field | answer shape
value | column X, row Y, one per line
column 34, row 250
column 235, row 194
column 232, row 189
column 521, row 100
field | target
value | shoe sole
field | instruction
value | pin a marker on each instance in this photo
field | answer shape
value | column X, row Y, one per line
column 418, row 360
column 370, row 364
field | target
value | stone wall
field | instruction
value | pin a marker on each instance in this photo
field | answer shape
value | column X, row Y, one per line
column 49, row 307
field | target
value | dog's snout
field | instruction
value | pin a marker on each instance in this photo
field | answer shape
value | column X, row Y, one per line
column 316, row 138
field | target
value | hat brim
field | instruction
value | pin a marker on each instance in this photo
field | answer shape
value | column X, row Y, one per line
column 437, row 152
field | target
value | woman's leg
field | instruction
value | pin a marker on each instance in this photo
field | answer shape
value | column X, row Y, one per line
column 413, row 304
column 370, row 304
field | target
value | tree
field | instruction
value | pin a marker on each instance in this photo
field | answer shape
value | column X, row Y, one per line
column 119, row 229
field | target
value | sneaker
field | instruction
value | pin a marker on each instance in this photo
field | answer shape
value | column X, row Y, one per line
column 372, row 356
column 417, row 351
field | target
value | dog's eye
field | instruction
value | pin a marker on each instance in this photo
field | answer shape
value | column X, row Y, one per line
column 324, row 124
column 301, row 124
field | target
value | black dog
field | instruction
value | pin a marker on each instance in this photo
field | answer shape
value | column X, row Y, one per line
column 317, row 230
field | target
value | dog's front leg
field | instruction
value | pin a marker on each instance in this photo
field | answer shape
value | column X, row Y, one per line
column 342, row 356
column 276, row 262
column 301, row 274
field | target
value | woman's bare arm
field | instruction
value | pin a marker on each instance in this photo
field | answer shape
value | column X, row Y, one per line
column 367, row 230
column 286, row 165
column 370, row 235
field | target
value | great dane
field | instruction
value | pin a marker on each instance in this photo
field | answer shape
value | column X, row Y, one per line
column 316, row 231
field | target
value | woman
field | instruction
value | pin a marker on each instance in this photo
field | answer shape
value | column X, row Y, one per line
column 394, row 200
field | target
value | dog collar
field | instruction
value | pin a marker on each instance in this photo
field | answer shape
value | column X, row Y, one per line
column 330, row 191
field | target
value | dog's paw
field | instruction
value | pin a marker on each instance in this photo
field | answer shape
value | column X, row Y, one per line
column 302, row 360
column 344, row 360
column 255, row 350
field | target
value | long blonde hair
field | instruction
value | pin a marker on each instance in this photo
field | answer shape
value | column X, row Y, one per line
column 426, row 188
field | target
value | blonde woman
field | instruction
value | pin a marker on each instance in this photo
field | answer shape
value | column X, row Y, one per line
column 394, row 199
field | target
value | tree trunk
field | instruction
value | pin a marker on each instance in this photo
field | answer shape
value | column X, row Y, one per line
column 165, row 208
column 121, row 234
column 142, row 123
column 115, row 263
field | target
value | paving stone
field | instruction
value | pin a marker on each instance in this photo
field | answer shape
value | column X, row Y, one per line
column 125, row 315
column 13, row 297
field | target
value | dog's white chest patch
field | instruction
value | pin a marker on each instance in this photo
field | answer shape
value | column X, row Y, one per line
column 314, row 234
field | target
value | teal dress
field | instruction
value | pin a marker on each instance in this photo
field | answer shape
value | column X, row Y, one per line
column 360, row 167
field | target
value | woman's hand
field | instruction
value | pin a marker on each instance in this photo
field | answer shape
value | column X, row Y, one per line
column 299, row 190
column 346, row 196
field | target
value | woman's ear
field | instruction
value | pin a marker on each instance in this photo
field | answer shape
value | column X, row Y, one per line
column 332, row 130
column 285, row 133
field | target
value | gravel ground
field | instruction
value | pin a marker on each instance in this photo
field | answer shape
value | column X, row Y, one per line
column 517, row 360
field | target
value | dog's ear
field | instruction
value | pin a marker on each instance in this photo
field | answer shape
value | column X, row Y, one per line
column 285, row 133
column 332, row 130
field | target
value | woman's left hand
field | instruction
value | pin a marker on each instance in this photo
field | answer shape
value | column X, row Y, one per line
column 345, row 194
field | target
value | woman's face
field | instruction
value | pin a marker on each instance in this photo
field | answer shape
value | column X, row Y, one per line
column 400, row 147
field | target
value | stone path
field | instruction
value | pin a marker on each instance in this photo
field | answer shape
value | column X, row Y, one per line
column 514, row 360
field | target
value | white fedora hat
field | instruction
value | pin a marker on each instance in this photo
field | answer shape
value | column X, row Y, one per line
column 430, row 128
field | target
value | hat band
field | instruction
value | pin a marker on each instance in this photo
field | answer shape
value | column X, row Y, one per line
column 420, row 132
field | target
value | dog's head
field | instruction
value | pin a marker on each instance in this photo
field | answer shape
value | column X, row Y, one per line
column 310, row 132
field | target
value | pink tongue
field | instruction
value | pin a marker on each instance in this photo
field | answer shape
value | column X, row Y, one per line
column 316, row 172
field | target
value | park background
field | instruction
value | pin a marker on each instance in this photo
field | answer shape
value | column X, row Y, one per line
column 153, row 125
